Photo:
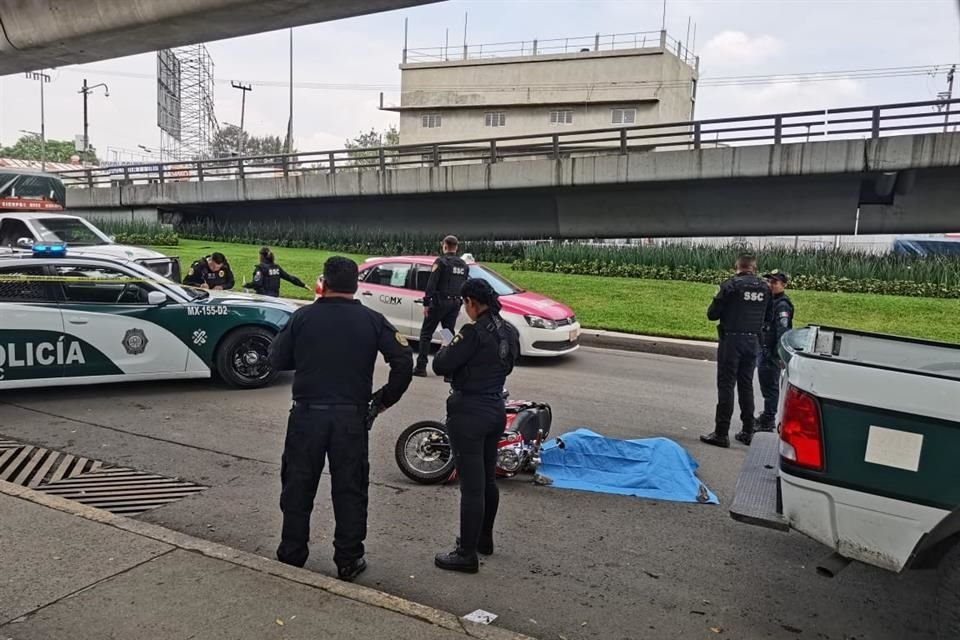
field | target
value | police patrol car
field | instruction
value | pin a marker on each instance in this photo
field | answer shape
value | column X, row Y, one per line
column 80, row 319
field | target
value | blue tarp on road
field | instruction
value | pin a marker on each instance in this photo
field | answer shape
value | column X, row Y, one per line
column 655, row 468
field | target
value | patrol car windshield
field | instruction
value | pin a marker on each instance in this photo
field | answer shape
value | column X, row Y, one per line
column 72, row 231
column 501, row 285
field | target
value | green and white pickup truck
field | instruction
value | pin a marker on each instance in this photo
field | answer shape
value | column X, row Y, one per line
column 866, row 459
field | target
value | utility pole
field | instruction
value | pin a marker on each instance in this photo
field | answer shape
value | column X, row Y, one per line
column 290, row 120
column 43, row 78
column 243, row 108
column 949, row 96
column 87, row 90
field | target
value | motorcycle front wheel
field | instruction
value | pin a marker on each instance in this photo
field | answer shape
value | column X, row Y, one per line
column 423, row 452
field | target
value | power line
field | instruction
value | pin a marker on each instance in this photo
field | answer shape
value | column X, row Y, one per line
column 714, row 81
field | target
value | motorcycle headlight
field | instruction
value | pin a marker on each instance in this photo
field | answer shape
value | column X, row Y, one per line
column 540, row 323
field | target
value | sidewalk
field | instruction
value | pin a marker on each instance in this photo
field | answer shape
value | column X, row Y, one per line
column 71, row 571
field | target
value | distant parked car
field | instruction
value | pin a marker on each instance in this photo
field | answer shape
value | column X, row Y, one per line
column 394, row 287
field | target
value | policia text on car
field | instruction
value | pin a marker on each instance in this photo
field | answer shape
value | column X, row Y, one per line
column 332, row 347
column 743, row 306
column 441, row 300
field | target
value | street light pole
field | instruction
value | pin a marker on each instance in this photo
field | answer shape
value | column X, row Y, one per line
column 43, row 78
column 243, row 108
column 87, row 90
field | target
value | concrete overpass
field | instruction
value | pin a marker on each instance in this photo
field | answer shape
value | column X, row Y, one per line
column 38, row 34
column 576, row 188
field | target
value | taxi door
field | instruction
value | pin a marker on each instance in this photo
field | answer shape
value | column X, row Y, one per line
column 386, row 288
column 31, row 327
column 107, row 309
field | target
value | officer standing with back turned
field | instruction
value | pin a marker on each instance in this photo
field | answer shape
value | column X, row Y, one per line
column 332, row 346
column 769, row 365
column 743, row 306
column 441, row 300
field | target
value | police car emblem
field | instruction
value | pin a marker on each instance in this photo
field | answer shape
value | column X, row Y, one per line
column 135, row 341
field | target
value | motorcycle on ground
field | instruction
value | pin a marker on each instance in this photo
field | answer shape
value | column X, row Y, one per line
column 424, row 455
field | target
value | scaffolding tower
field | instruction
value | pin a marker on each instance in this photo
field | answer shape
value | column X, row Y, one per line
column 198, row 123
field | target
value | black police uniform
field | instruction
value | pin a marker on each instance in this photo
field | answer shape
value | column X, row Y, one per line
column 200, row 274
column 742, row 305
column 768, row 365
column 267, row 277
column 332, row 346
column 477, row 363
column 442, row 301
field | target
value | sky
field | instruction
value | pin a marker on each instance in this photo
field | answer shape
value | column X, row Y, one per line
column 734, row 38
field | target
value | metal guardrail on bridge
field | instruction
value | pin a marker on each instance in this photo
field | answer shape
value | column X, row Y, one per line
column 778, row 128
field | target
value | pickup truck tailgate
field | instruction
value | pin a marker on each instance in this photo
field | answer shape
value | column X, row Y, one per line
column 756, row 499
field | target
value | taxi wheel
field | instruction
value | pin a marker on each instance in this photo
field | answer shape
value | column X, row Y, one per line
column 242, row 358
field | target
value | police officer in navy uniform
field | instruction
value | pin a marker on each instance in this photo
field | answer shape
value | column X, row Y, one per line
column 268, row 274
column 441, row 300
column 332, row 347
column 477, row 363
column 743, row 306
column 210, row 272
column 769, row 364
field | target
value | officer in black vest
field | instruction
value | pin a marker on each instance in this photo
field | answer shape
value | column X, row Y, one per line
column 332, row 346
column 441, row 300
column 742, row 305
column 210, row 272
column 477, row 363
column 769, row 364
column 268, row 274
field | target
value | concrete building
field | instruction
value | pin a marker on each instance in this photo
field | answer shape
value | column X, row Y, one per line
column 549, row 87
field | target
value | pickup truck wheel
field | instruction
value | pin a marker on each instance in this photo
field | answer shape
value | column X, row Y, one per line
column 948, row 595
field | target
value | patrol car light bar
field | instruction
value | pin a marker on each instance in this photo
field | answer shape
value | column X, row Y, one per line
column 49, row 250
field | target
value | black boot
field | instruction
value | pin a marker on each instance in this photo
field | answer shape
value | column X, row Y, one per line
column 716, row 440
column 746, row 437
column 420, row 372
column 458, row 560
column 349, row 572
column 765, row 423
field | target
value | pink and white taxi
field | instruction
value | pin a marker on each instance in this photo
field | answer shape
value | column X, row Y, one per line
column 395, row 286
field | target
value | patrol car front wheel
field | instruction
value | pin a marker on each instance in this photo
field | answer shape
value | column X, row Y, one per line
column 243, row 358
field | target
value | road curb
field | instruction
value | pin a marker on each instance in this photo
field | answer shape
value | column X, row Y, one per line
column 260, row 564
column 694, row 349
column 600, row 339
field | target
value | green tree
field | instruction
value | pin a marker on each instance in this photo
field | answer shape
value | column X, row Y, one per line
column 28, row 147
column 358, row 147
column 227, row 143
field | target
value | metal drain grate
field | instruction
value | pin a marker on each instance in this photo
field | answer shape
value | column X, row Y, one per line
column 91, row 482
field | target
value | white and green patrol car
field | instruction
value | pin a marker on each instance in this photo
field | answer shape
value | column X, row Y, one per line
column 77, row 319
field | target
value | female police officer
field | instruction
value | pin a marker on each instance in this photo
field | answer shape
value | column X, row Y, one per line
column 267, row 276
column 477, row 363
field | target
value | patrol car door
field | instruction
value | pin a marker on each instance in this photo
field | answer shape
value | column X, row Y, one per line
column 31, row 328
column 385, row 288
column 107, row 308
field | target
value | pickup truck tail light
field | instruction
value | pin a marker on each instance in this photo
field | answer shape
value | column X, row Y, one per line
column 801, row 434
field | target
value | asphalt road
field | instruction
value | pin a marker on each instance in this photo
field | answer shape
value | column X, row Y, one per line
column 568, row 564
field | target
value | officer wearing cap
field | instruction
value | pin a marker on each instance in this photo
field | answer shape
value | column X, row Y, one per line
column 441, row 300
column 477, row 363
column 210, row 272
column 743, row 306
column 268, row 274
column 769, row 364
column 332, row 347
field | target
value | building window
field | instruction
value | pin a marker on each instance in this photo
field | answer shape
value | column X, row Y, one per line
column 623, row 116
column 431, row 121
column 561, row 116
column 495, row 119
